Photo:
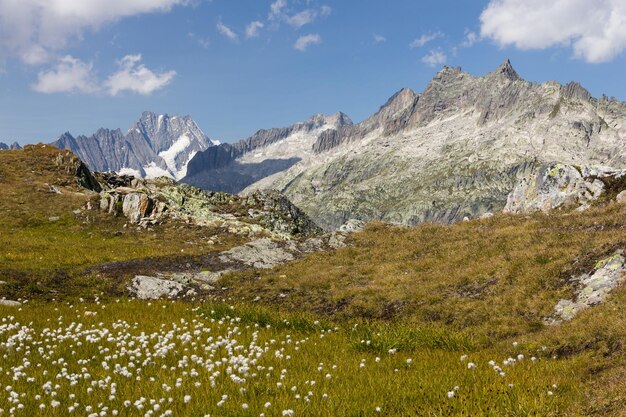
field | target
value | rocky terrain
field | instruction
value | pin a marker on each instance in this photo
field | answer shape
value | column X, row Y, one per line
column 456, row 150
column 156, row 145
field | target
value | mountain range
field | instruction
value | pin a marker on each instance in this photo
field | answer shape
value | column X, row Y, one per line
column 156, row 145
column 455, row 150
column 13, row 146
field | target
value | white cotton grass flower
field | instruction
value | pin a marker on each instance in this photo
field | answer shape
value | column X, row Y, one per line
column 450, row 394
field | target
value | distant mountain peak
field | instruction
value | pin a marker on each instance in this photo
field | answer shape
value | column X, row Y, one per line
column 13, row 146
column 155, row 145
column 506, row 70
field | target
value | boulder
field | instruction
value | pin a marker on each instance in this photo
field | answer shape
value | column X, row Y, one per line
column 261, row 253
column 10, row 303
column 152, row 288
column 137, row 206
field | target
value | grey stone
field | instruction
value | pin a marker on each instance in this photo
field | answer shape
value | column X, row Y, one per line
column 592, row 288
column 352, row 225
column 261, row 253
column 152, row 288
column 10, row 303
column 621, row 197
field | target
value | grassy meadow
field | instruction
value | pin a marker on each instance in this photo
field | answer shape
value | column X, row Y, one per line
column 426, row 321
column 172, row 358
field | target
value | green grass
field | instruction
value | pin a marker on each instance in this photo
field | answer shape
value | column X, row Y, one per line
column 308, row 353
column 44, row 258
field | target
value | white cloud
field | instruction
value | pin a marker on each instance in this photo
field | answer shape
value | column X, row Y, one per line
column 135, row 77
column 280, row 12
column 470, row 39
column 434, row 58
column 424, row 39
column 69, row 75
column 300, row 19
column 226, row 31
column 33, row 30
column 594, row 29
column 305, row 41
column 276, row 9
column 379, row 38
column 252, row 30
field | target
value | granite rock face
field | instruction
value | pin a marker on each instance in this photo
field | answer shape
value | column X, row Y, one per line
column 156, row 145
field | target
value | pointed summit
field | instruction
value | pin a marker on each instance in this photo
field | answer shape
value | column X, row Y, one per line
column 506, row 70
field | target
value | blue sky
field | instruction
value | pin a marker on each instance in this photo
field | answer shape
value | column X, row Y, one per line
column 240, row 65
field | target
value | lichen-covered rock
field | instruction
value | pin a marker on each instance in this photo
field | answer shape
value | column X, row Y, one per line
column 146, row 202
column 593, row 288
column 555, row 185
column 152, row 288
column 137, row 206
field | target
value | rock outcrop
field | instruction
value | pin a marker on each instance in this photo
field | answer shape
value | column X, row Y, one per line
column 552, row 186
column 593, row 288
column 147, row 202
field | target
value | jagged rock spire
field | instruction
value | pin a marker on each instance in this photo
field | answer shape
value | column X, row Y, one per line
column 506, row 70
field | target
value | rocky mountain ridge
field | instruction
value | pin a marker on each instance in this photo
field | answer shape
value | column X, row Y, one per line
column 456, row 150
column 232, row 167
column 156, row 145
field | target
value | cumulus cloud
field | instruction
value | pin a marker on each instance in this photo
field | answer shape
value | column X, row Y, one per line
column 305, row 41
column 594, row 29
column 226, row 31
column 33, row 30
column 424, row 39
column 69, row 75
column 252, row 30
column 434, row 58
column 135, row 77
column 379, row 38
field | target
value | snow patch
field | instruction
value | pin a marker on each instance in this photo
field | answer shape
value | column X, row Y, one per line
column 159, row 121
column 129, row 171
column 169, row 156
column 153, row 171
